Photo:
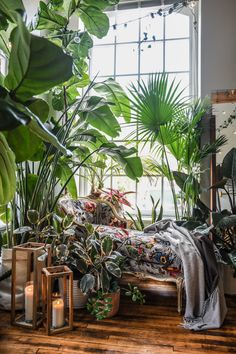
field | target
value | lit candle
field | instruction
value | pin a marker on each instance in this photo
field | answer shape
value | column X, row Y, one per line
column 29, row 299
column 58, row 313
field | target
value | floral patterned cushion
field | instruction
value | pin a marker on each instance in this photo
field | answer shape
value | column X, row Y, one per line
column 152, row 255
column 87, row 211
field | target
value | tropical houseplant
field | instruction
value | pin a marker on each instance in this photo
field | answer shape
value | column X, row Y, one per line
column 46, row 140
column 224, row 220
column 171, row 124
column 97, row 264
column 41, row 166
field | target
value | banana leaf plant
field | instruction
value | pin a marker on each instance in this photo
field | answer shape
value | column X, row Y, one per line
column 76, row 122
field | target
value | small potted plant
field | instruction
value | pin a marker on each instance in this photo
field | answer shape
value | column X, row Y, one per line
column 98, row 258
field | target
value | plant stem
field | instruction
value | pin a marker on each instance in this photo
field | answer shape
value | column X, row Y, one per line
column 170, row 178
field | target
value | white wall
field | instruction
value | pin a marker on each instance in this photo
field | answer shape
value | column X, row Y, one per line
column 218, row 45
column 217, row 60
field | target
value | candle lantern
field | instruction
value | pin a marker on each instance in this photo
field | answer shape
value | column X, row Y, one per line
column 38, row 255
column 57, row 290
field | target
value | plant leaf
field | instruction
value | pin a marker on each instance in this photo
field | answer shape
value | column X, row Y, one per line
column 103, row 119
column 63, row 172
column 35, row 64
column 113, row 269
column 117, row 96
column 48, row 19
column 229, row 164
column 95, row 21
column 87, row 283
column 106, row 245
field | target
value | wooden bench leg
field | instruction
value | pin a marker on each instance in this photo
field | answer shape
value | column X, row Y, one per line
column 179, row 285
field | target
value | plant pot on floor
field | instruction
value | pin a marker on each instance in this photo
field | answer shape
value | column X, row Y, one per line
column 104, row 305
column 115, row 302
column 79, row 299
column 228, row 280
column 21, row 278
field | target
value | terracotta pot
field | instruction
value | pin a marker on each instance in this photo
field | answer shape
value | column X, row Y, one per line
column 115, row 297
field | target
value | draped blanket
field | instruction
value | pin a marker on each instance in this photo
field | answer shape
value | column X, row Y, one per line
column 205, row 302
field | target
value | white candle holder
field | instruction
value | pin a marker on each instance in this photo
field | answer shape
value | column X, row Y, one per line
column 38, row 255
column 57, row 316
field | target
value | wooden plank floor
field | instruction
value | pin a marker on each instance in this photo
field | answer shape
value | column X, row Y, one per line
column 151, row 328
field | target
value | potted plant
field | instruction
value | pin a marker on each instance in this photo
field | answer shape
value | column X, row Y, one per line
column 37, row 158
column 224, row 220
column 98, row 263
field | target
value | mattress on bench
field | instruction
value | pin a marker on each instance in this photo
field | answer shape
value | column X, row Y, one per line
column 152, row 256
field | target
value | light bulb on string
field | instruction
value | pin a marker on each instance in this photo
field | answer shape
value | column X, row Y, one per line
column 192, row 4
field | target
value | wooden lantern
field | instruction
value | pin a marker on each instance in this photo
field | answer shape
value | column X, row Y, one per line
column 57, row 304
column 38, row 255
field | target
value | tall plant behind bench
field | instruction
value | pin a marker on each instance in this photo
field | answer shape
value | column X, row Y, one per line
column 61, row 71
column 171, row 123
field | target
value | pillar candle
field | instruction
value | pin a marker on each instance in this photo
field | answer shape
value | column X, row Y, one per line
column 29, row 299
column 58, row 313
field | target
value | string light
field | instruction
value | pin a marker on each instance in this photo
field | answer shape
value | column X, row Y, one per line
column 168, row 10
column 192, row 4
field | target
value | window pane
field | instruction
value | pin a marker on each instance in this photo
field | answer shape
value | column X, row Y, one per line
column 127, row 80
column 152, row 26
column 128, row 31
column 177, row 55
column 183, row 80
column 128, row 131
column 151, row 57
column 126, row 59
column 177, row 26
column 102, row 60
column 144, row 190
column 168, row 204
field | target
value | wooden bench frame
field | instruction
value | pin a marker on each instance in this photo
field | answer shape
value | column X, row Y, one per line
column 149, row 282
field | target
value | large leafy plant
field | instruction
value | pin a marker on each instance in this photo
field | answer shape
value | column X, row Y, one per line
column 224, row 220
column 76, row 121
column 171, row 124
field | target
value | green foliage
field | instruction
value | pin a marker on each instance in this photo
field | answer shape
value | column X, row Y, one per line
column 115, row 95
column 138, row 222
column 63, row 172
column 96, row 22
column 35, row 64
column 7, row 172
column 99, row 306
column 229, row 164
column 135, row 294
column 155, row 104
column 48, row 19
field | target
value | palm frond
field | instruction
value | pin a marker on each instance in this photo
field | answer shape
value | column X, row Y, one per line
column 156, row 103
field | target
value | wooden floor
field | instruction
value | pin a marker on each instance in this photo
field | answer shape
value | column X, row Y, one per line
column 151, row 328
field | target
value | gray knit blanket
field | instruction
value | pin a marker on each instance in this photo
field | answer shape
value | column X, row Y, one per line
column 201, row 312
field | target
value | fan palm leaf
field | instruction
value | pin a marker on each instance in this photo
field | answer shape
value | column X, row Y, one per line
column 155, row 104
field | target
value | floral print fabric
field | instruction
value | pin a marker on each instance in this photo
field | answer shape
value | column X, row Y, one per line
column 151, row 255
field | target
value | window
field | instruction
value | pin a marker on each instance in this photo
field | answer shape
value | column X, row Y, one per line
column 131, row 51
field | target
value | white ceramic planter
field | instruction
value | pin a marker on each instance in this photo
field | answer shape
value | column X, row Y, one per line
column 79, row 299
column 21, row 277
